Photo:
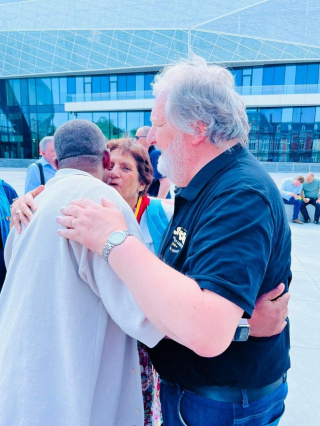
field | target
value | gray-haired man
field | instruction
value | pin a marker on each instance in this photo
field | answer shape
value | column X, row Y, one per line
column 68, row 354
column 41, row 171
column 227, row 244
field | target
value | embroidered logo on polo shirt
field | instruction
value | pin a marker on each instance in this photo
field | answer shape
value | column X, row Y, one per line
column 179, row 238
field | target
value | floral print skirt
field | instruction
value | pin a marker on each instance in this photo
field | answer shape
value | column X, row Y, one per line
column 150, row 389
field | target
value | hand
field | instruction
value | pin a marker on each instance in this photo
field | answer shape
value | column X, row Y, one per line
column 90, row 224
column 318, row 201
column 306, row 200
column 21, row 209
column 296, row 196
column 269, row 315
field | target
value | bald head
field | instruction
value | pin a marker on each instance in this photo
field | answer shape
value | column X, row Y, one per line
column 310, row 177
column 142, row 136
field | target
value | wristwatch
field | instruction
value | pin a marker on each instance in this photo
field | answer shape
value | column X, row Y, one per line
column 115, row 239
column 242, row 331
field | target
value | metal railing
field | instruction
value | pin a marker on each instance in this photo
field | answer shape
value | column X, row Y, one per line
column 278, row 90
column 242, row 90
column 110, row 96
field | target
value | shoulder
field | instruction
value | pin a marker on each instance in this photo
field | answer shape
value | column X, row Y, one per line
column 10, row 192
column 32, row 168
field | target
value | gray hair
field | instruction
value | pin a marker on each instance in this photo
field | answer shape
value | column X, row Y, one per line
column 144, row 130
column 79, row 138
column 198, row 92
column 44, row 141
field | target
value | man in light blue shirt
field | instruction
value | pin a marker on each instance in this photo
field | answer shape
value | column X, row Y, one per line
column 311, row 195
column 33, row 179
column 291, row 190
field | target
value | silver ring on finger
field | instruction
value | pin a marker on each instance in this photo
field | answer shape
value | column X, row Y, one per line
column 72, row 222
column 18, row 212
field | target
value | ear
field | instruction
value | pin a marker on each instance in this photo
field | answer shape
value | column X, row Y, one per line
column 106, row 159
column 141, row 186
column 200, row 135
column 56, row 163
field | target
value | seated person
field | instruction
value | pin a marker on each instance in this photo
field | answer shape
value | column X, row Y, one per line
column 291, row 191
column 311, row 195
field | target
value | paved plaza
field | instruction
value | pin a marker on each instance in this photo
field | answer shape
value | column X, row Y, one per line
column 302, row 406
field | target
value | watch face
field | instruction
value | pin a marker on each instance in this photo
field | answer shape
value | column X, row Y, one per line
column 117, row 237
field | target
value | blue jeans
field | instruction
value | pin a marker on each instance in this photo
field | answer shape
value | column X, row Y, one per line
column 182, row 407
column 296, row 206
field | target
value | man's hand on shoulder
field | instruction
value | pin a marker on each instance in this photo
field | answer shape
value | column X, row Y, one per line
column 269, row 315
column 22, row 209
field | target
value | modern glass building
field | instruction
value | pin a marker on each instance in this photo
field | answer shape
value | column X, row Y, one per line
column 68, row 61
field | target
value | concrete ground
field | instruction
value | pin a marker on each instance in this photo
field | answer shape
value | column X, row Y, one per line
column 302, row 405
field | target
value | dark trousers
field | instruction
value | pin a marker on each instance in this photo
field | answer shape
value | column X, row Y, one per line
column 296, row 206
column 304, row 210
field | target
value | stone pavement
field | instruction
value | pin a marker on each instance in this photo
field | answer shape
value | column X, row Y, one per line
column 302, row 405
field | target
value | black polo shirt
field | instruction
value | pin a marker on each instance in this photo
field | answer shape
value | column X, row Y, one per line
column 229, row 233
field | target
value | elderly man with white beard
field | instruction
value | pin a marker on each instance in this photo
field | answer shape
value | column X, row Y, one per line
column 227, row 244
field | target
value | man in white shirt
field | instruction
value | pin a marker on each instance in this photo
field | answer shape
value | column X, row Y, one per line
column 68, row 325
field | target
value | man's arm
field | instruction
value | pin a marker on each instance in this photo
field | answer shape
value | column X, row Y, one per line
column 201, row 315
column 164, row 187
column 285, row 193
column 201, row 320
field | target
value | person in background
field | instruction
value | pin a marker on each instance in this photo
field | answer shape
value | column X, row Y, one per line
column 41, row 171
column 291, row 191
column 7, row 197
column 160, row 186
column 311, row 195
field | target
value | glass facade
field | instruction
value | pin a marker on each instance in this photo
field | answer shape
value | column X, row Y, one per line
column 31, row 108
column 34, row 107
column 285, row 134
column 278, row 79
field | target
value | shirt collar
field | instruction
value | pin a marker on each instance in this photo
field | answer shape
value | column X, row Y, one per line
column 151, row 148
column 204, row 176
column 45, row 163
column 68, row 172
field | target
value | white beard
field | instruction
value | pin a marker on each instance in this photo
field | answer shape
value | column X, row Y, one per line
column 175, row 162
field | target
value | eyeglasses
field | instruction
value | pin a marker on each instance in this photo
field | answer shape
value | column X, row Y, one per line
column 138, row 137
